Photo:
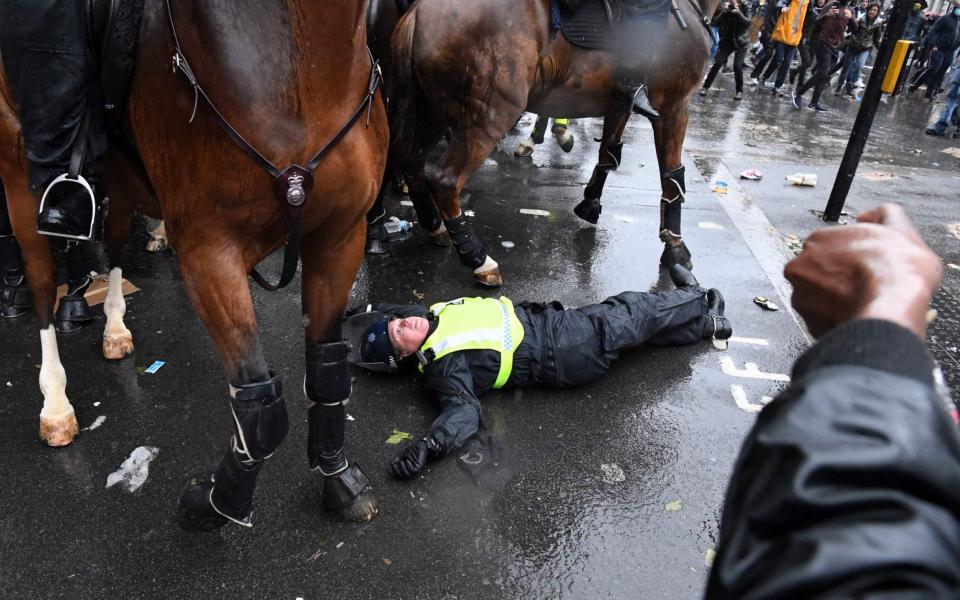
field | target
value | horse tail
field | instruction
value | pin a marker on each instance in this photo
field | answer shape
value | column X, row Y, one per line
column 404, row 89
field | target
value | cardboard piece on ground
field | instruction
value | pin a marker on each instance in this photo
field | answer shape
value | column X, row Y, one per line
column 954, row 152
column 97, row 292
column 879, row 176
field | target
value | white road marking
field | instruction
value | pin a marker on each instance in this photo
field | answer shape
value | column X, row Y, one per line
column 751, row 341
column 740, row 397
column 750, row 371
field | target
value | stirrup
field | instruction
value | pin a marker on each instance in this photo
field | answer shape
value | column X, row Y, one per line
column 82, row 182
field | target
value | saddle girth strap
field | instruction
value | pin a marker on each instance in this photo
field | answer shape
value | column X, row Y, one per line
column 291, row 185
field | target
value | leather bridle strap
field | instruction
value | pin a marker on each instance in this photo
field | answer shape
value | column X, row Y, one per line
column 291, row 185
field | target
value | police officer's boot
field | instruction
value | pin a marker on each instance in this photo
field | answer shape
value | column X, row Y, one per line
column 73, row 312
column 71, row 208
column 641, row 102
column 15, row 298
column 720, row 328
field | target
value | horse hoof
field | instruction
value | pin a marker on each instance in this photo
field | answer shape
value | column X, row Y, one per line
column 59, row 430
column 363, row 509
column 676, row 254
column 440, row 237
column 524, row 149
column 375, row 246
column 564, row 138
column 194, row 511
column 488, row 274
column 588, row 210
column 116, row 347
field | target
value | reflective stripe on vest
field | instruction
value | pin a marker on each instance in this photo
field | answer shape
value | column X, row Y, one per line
column 476, row 324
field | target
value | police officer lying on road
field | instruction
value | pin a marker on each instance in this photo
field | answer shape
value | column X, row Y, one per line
column 469, row 346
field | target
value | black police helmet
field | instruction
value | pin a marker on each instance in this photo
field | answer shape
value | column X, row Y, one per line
column 376, row 347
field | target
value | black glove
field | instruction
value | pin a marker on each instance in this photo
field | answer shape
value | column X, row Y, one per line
column 413, row 459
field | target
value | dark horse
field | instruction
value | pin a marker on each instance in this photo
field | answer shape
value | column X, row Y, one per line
column 288, row 75
column 472, row 68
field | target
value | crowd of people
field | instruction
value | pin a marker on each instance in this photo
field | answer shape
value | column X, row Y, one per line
column 795, row 46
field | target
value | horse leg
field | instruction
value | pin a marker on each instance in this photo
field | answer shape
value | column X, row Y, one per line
column 467, row 150
column 15, row 300
column 158, row 239
column 525, row 148
column 58, row 423
column 668, row 135
column 220, row 293
column 117, row 339
column 562, row 134
column 329, row 268
column 611, row 148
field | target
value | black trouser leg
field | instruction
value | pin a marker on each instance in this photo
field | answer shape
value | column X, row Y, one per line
column 806, row 58
column 723, row 53
column 822, row 54
column 587, row 340
column 767, row 55
column 784, row 66
column 739, row 56
column 51, row 71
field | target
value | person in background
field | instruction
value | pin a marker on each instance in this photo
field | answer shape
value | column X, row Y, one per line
column 949, row 112
column 805, row 49
column 846, row 486
column 912, row 31
column 733, row 25
column 786, row 36
column 944, row 38
column 772, row 12
column 832, row 23
column 866, row 37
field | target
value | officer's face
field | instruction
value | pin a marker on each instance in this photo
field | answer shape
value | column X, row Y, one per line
column 407, row 335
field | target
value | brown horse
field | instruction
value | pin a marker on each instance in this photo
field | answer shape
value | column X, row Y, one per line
column 472, row 68
column 292, row 77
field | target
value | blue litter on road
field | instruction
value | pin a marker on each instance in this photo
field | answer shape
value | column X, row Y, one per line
column 154, row 367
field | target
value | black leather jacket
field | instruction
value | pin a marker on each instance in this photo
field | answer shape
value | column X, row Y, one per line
column 847, row 486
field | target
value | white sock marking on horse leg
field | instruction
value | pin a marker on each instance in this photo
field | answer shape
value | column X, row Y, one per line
column 53, row 379
column 488, row 265
column 114, row 307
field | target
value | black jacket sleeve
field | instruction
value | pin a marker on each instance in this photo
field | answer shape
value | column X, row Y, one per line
column 450, row 382
column 847, row 486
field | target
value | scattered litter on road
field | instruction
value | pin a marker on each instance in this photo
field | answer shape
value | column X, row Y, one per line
column 133, row 472
column 418, row 295
column 720, row 187
column 879, row 176
column 795, row 244
column 953, row 266
column 708, row 559
column 764, row 302
column 154, row 367
column 674, row 506
column 804, row 179
column 406, row 203
column 752, row 174
column 469, row 213
column 340, row 545
column 917, row 151
column 507, row 244
column 350, row 417
column 623, row 218
column 96, row 404
column 318, row 554
column 398, row 436
column 612, row 473
column 535, row 212
column 709, row 225
column 387, row 562
column 97, row 292
column 954, row 152
column 96, row 423
column 719, row 344
column 9, row 384
column 954, row 229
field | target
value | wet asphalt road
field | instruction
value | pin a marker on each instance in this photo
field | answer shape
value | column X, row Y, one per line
column 578, row 507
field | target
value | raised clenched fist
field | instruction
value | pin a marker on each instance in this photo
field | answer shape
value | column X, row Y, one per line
column 877, row 268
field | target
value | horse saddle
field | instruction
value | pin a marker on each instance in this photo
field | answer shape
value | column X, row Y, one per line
column 597, row 24
column 113, row 27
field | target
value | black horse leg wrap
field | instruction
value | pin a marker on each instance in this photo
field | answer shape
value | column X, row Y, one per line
column 608, row 163
column 325, row 438
column 328, row 373
column 260, row 417
column 78, row 270
column 539, row 130
column 674, row 193
column 233, row 487
column 468, row 245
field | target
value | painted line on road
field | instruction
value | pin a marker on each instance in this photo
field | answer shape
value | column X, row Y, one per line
column 750, row 371
column 771, row 251
column 740, row 397
column 751, row 341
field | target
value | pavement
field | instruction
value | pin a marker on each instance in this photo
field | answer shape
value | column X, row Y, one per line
column 610, row 490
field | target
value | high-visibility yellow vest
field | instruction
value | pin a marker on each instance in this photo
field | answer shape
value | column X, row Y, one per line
column 476, row 324
column 789, row 29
